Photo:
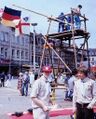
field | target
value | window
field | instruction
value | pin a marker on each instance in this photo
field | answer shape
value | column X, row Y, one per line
column 26, row 55
column 1, row 36
column 2, row 51
column 13, row 38
column 39, row 60
column 39, row 41
column 6, row 37
column 22, row 41
column 32, row 59
column 6, row 52
column 36, row 40
column 22, row 54
column 18, row 54
column 26, row 40
column 17, row 40
column 47, row 61
column 13, row 53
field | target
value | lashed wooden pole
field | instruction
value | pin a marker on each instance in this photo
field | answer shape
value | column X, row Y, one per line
column 51, row 18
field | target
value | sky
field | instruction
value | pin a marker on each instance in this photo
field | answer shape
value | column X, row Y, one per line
column 54, row 8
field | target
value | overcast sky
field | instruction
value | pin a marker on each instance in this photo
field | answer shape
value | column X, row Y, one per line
column 54, row 8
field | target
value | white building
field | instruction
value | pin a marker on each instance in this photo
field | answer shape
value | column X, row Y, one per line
column 14, row 51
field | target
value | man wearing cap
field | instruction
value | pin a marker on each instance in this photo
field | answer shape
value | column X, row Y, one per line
column 84, row 95
column 40, row 95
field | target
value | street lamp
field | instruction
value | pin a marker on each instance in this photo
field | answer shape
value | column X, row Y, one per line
column 34, row 47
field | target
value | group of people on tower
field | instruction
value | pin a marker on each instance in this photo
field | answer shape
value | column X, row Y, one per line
column 66, row 21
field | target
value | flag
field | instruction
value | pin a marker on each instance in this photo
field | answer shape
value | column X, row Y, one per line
column 23, row 27
column 9, row 16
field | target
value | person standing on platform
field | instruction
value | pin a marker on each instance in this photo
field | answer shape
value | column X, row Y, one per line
column 69, row 21
column 76, row 18
column 61, row 24
column 84, row 95
column 40, row 95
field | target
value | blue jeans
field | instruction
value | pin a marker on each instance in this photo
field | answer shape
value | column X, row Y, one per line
column 69, row 94
column 25, row 89
column 77, row 22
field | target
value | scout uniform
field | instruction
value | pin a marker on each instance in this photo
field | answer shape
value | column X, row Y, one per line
column 41, row 90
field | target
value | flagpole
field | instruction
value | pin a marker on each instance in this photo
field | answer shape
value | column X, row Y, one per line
column 10, row 59
column 34, row 46
column 50, row 18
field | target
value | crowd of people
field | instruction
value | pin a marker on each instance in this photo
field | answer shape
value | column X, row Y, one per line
column 25, row 80
column 80, row 89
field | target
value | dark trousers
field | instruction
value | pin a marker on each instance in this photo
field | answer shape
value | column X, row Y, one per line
column 84, row 113
column 61, row 27
column 2, row 83
column 25, row 89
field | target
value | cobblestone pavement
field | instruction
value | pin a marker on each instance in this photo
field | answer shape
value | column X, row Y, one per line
column 11, row 101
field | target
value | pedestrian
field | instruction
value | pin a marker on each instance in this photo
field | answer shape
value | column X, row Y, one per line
column 76, row 18
column 31, row 76
column 8, row 81
column 20, row 82
column 26, row 81
column 2, row 78
column 84, row 95
column 71, row 81
column 40, row 95
column 61, row 17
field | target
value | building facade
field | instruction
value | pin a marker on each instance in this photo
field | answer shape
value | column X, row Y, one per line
column 17, row 53
column 14, row 51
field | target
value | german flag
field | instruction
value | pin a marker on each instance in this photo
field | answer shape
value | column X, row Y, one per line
column 10, row 16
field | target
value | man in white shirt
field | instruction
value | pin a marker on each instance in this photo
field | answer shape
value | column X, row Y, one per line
column 84, row 95
column 41, row 95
